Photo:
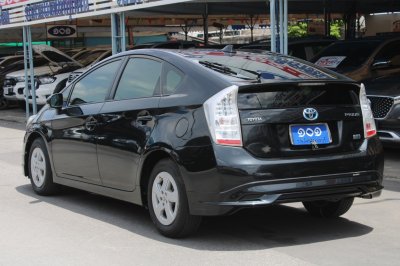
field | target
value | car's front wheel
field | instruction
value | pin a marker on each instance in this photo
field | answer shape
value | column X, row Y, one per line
column 328, row 209
column 167, row 201
column 39, row 169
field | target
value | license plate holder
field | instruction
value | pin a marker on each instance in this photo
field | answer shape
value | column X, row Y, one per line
column 310, row 134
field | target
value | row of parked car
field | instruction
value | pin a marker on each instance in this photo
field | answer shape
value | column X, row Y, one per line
column 53, row 70
column 374, row 61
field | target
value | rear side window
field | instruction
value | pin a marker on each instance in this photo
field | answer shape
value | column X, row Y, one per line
column 172, row 79
column 141, row 79
column 94, row 87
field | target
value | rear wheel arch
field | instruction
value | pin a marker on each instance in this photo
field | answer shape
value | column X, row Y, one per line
column 146, row 168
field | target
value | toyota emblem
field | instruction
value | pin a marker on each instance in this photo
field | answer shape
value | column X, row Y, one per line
column 310, row 114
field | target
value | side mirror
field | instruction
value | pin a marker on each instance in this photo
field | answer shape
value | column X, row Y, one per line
column 55, row 100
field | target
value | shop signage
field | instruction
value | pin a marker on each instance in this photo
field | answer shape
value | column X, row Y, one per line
column 4, row 17
column 61, row 31
column 128, row 2
column 10, row 2
column 53, row 8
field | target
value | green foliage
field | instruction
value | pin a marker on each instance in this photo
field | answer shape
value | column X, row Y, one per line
column 300, row 29
column 336, row 28
column 297, row 30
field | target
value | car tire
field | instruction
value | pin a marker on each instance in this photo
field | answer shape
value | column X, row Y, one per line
column 167, row 201
column 60, row 86
column 3, row 103
column 328, row 209
column 40, row 173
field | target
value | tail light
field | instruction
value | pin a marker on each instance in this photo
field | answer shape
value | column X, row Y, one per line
column 368, row 117
column 223, row 119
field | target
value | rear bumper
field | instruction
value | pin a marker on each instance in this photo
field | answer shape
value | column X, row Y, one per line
column 241, row 181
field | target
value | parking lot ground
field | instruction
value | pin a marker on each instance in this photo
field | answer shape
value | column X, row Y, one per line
column 79, row 228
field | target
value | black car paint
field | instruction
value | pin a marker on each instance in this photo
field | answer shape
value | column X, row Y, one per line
column 218, row 179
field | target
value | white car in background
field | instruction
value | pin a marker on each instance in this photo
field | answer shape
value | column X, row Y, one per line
column 91, row 59
column 47, row 85
column 44, row 74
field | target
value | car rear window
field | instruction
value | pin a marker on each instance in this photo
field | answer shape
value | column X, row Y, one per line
column 252, row 66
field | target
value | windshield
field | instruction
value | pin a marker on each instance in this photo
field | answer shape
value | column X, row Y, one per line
column 88, row 57
column 258, row 67
column 345, row 55
column 56, row 57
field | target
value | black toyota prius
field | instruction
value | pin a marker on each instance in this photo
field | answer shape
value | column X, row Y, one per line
column 196, row 133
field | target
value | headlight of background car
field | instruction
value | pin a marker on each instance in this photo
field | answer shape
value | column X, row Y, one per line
column 46, row 79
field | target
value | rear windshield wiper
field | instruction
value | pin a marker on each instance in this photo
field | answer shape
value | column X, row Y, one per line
column 222, row 69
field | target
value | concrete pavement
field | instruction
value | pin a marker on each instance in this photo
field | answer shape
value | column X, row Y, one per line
column 79, row 228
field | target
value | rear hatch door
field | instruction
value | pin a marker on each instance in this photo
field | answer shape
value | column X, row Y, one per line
column 300, row 118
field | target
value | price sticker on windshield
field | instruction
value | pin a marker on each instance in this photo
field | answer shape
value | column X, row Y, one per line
column 330, row 61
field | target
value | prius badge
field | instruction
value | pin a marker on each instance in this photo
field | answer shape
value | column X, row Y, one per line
column 310, row 114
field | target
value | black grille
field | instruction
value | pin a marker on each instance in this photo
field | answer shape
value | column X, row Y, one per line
column 381, row 106
column 10, row 82
column 73, row 76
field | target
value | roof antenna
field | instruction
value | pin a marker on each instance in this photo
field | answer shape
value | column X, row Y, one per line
column 229, row 49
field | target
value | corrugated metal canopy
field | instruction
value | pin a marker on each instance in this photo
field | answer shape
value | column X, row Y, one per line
column 221, row 7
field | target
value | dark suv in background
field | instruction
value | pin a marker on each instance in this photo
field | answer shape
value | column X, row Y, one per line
column 374, row 61
column 301, row 48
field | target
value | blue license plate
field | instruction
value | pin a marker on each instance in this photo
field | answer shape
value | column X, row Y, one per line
column 310, row 134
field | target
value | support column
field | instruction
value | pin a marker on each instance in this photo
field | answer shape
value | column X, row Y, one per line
column 114, row 37
column 33, row 87
column 26, row 89
column 118, row 38
column 272, row 20
column 205, row 25
column 281, row 30
column 30, row 88
column 279, row 25
column 285, row 27
column 122, row 29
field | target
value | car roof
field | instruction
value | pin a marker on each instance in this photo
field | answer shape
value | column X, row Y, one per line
column 303, row 70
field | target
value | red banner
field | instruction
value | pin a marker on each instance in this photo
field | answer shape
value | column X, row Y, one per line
column 10, row 2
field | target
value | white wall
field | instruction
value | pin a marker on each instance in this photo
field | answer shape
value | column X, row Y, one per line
column 380, row 23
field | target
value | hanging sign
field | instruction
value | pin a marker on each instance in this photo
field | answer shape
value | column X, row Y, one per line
column 61, row 31
column 10, row 2
column 54, row 8
column 128, row 2
column 4, row 17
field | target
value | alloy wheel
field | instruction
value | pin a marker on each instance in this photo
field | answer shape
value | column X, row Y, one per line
column 165, row 198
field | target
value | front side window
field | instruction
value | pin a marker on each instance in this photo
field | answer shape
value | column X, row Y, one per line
column 94, row 87
column 141, row 79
